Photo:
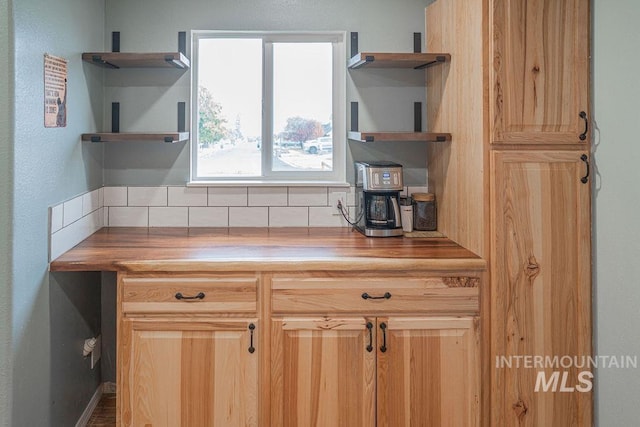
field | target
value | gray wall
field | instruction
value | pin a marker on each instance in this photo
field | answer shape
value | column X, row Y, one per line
column 50, row 165
column 51, row 316
column 6, row 194
column 148, row 98
column 617, row 204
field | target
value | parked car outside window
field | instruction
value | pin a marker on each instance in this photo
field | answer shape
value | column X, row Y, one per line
column 321, row 145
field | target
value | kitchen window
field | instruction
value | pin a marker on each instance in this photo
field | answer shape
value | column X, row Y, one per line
column 268, row 107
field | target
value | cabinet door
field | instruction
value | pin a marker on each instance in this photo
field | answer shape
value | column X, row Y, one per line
column 428, row 372
column 541, row 288
column 540, row 71
column 188, row 373
column 323, row 372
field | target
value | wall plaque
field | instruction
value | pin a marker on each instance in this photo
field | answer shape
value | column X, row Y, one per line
column 55, row 91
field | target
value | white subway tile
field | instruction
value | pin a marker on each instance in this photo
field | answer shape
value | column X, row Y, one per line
column 62, row 241
column 67, row 237
column 115, row 196
column 147, row 196
column 208, row 217
column 288, row 216
column 227, row 196
column 186, row 196
column 248, row 217
column 91, row 201
column 55, row 218
column 72, row 211
column 267, row 196
column 351, row 193
column 128, row 216
column 168, row 216
column 323, row 217
column 308, row 196
column 351, row 197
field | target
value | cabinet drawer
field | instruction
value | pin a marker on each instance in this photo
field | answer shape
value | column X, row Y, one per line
column 189, row 294
column 438, row 295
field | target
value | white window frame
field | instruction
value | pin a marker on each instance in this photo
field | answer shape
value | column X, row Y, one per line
column 337, row 176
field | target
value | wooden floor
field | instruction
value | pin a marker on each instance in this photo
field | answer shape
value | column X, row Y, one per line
column 105, row 413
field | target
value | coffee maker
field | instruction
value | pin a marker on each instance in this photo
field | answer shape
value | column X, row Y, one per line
column 378, row 186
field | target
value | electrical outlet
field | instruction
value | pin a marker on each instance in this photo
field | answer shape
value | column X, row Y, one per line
column 336, row 196
column 97, row 351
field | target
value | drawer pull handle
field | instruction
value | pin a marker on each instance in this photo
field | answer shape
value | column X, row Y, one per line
column 199, row 296
column 252, row 328
column 383, row 327
column 370, row 328
column 386, row 295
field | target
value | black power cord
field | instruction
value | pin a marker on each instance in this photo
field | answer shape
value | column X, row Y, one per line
column 346, row 215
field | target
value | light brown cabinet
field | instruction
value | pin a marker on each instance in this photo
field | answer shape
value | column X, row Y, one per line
column 540, row 63
column 322, row 373
column 402, row 363
column 190, row 373
column 400, row 371
column 188, row 351
column 541, row 283
column 428, row 373
column 373, row 350
column 540, row 210
column 515, row 188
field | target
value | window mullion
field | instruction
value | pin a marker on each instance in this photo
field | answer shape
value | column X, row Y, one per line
column 267, row 108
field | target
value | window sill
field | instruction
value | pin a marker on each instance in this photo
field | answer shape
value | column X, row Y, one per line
column 257, row 183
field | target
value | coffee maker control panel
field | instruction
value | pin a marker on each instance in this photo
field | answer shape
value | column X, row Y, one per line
column 379, row 176
column 386, row 179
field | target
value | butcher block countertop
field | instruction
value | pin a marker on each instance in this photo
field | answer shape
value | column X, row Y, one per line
column 260, row 249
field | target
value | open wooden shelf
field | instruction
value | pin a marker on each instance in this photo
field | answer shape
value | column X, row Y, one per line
column 136, row 136
column 397, row 60
column 399, row 136
column 137, row 60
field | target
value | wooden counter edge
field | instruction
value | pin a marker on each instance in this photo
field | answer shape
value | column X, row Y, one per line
column 270, row 265
column 186, row 265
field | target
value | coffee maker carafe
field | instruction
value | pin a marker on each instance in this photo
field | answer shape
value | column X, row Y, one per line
column 378, row 186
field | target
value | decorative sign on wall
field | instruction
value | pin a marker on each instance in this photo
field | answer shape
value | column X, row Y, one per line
column 55, row 91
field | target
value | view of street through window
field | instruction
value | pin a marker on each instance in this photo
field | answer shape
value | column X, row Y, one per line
column 234, row 99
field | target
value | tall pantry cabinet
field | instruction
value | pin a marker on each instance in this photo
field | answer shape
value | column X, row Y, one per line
column 513, row 185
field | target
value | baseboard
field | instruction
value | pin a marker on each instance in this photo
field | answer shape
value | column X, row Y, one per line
column 86, row 415
column 109, row 388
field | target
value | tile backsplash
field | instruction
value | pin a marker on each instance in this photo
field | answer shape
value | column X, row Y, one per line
column 222, row 206
column 73, row 221
column 178, row 206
